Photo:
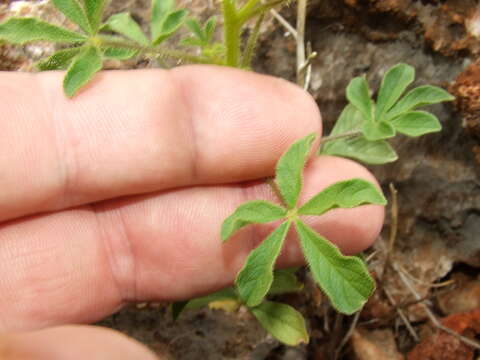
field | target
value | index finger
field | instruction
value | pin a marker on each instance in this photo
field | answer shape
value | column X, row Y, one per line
column 140, row 131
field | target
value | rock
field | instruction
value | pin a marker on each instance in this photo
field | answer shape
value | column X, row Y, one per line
column 466, row 89
column 443, row 346
column 463, row 297
column 374, row 345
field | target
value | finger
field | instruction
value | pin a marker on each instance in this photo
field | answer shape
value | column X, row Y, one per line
column 82, row 264
column 141, row 131
column 72, row 343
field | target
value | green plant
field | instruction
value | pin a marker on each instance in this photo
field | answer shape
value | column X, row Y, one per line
column 121, row 37
column 361, row 133
column 345, row 279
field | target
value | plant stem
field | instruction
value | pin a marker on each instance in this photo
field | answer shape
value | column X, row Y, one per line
column 248, row 7
column 231, row 31
column 340, row 136
column 301, row 16
column 273, row 185
column 261, row 9
column 252, row 43
column 284, row 22
column 107, row 41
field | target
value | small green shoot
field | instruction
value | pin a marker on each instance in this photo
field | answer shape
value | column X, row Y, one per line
column 121, row 37
column 363, row 127
column 284, row 282
column 282, row 321
column 345, row 279
column 361, row 133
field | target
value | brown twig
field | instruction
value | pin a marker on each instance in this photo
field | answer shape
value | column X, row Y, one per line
column 393, row 230
column 290, row 29
column 402, row 315
column 301, row 19
column 347, row 336
column 430, row 314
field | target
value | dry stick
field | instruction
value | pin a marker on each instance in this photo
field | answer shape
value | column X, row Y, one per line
column 371, row 256
column 402, row 315
column 430, row 314
column 284, row 23
column 393, row 230
column 326, row 318
column 301, row 16
column 348, row 335
column 335, row 334
column 424, row 283
column 307, row 67
column 391, row 245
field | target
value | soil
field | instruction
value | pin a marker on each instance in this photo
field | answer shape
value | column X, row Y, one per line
column 437, row 178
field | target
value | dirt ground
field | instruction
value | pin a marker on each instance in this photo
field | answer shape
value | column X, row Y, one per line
column 433, row 273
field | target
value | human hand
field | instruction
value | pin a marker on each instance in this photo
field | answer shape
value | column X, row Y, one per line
column 118, row 195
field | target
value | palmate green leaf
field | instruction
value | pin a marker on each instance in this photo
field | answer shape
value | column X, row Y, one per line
column 194, row 26
column 394, row 83
column 289, row 170
column 160, row 10
column 343, row 194
column 282, row 321
column 209, row 28
column 416, row 123
column 284, row 282
column 82, row 70
column 344, row 279
column 124, row 24
column 24, row 30
column 420, row 96
column 252, row 212
column 171, row 24
column 377, row 130
column 74, row 11
column 349, row 120
column 359, row 96
column 59, row 60
column 94, row 10
column 173, row 21
column 119, row 53
column 359, row 148
column 256, row 276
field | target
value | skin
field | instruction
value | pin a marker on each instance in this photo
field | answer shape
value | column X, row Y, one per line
column 117, row 196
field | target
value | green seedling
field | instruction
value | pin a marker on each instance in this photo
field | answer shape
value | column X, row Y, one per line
column 203, row 38
column 361, row 131
column 344, row 279
column 121, row 37
column 94, row 42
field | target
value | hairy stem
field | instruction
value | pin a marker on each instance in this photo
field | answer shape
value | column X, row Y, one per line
column 109, row 41
column 340, row 136
column 261, row 9
column 252, row 43
column 231, row 31
column 248, row 7
column 273, row 185
column 301, row 15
